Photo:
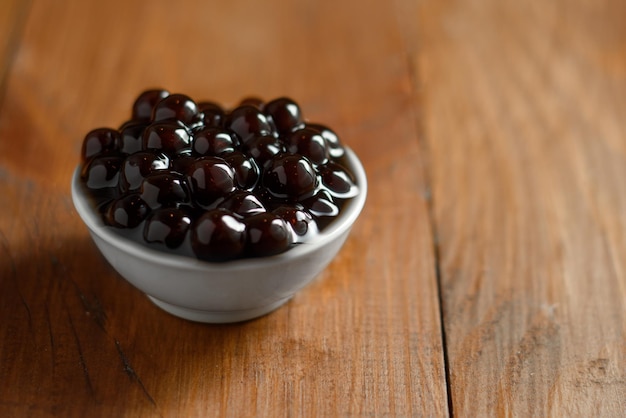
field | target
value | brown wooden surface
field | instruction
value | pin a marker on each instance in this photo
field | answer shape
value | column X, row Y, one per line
column 12, row 15
column 494, row 137
column 525, row 124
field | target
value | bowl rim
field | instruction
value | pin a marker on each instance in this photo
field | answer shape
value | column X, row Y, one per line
column 350, row 212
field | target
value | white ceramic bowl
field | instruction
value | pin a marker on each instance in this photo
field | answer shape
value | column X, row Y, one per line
column 221, row 292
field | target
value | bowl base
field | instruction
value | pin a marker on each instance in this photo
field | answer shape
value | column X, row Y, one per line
column 217, row 317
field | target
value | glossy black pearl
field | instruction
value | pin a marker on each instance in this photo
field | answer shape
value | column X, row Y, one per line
column 99, row 141
column 267, row 234
column 248, row 121
column 321, row 205
column 212, row 114
column 218, row 235
column 285, row 113
column 167, row 226
column 131, row 134
column 263, row 148
column 176, row 106
column 290, row 177
column 335, row 148
column 247, row 172
column 210, row 178
column 243, row 203
column 127, row 211
column 182, row 161
column 138, row 166
column 145, row 102
column 301, row 222
column 199, row 180
column 164, row 188
column 213, row 142
column 167, row 137
column 338, row 180
column 310, row 143
column 102, row 172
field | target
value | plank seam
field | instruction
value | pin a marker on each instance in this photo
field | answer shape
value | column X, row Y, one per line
column 428, row 197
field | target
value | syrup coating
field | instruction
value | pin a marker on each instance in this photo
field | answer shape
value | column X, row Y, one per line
column 196, row 179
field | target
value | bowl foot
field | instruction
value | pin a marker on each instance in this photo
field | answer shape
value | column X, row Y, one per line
column 217, row 317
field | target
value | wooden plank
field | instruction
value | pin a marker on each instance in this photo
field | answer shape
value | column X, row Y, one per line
column 523, row 108
column 12, row 15
column 76, row 340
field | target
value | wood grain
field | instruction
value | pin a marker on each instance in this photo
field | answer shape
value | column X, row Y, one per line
column 523, row 108
column 12, row 16
column 77, row 340
column 493, row 136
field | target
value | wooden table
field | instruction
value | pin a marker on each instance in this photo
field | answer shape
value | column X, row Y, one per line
column 486, row 275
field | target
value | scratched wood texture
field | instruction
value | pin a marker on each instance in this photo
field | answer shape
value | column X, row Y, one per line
column 494, row 137
column 76, row 340
column 524, row 119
